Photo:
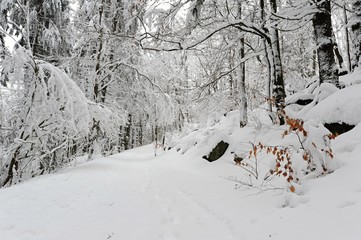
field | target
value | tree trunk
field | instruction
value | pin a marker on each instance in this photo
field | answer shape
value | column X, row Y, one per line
column 242, row 76
column 347, row 39
column 279, row 93
column 323, row 34
column 2, row 47
column 356, row 32
column 13, row 165
column 97, row 84
column 267, row 58
column 342, row 69
column 140, row 133
column 127, row 130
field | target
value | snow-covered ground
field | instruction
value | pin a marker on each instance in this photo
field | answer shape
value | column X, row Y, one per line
column 135, row 196
column 178, row 195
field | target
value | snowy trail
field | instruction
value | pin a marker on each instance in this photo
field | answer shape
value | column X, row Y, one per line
column 120, row 197
column 184, row 215
column 134, row 196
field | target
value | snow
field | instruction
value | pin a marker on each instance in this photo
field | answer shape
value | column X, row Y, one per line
column 134, row 195
column 352, row 78
column 178, row 195
column 338, row 107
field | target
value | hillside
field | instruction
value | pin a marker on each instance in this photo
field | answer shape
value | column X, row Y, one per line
column 180, row 195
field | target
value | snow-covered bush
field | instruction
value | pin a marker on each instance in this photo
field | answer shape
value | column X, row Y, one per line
column 304, row 152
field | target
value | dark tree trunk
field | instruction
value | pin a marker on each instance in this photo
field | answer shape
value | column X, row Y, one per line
column 120, row 139
column 13, row 165
column 267, row 57
column 338, row 55
column 140, row 133
column 356, row 32
column 2, row 47
column 98, row 75
column 328, row 70
column 242, row 76
column 279, row 93
column 127, row 132
column 349, row 64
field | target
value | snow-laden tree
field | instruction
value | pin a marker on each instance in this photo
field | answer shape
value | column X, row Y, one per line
column 42, row 26
column 50, row 115
column 210, row 21
column 110, row 68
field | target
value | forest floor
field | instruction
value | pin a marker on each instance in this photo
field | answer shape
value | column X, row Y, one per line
column 136, row 196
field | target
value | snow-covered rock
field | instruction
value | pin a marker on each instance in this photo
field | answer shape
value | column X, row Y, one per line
column 341, row 106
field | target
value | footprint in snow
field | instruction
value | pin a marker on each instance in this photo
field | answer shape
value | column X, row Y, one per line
column 175, row 220
column 169, row 236
column 346, row 204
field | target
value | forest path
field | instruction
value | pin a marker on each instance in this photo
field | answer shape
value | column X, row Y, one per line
column 134, row 196
column 125, row 196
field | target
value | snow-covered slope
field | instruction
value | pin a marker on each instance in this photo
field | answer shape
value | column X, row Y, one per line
column 179, row 195
column 136, row 196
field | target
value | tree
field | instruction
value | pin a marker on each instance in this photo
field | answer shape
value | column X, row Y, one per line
column 51, row 113
column 42, row 26
column 242, row 74
column 328, row 70
column 218, row 17
column 356, row 32
column 111, row 69
column 279, row 93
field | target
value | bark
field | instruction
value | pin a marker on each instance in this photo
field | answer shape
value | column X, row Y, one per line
column 13, row 165
column 127, row 133
column 338, row 56
column 242, row 76
column 2, row 47
column 279, row 93
column 347, row 39
column 328, row 71
column 356, row 32
column 195, row 10
column 267, row 58
column 120, row 139
column 140, row 133
column 97, row 86
column 98, row 92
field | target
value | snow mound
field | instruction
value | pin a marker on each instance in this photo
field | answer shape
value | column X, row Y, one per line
column 353, row 78
column 202, row 141
column 349, row 141
column 338, row 107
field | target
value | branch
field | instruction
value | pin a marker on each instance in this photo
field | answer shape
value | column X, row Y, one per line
column 239, row 24
column 246, row 58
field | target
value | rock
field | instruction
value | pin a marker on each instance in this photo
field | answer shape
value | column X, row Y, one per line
column 303, row 102
column 338, row 128
column 217, row 152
